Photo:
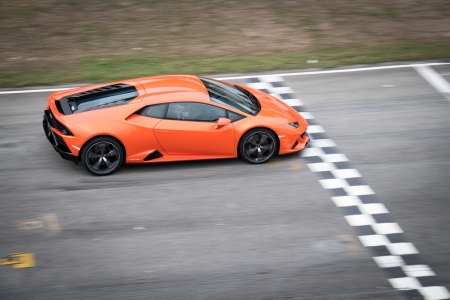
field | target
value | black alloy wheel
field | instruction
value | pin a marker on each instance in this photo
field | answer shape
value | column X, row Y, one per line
column 102, row 156
column 258, row 146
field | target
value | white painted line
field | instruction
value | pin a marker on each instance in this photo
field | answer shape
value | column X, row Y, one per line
column 320, row 167
column 139, row 228
column 33, row 91
column 315, row 129
column 281, row 90
column 335, row 71
column 360, row 220
column 434, row 293
column 343, row 201
column 323, row 143
column 435, row 80
column 405, row 283
column 418, row 271
column 269, row 78
column 359, row 190
column 366, row 217
column 374, row 240
column 260, row 85
column 386, row 228
column 293, row 102
column 333, row 183
column 338, row 157
column 402, row 248
column 346, row 173
column 373, row 208
column 389, row 261
column 308, row 152
column 306, row 115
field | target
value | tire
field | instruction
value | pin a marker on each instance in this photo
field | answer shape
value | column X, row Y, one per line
column 102, row 156
column 258, row 146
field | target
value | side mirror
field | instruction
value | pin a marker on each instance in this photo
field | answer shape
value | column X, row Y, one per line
column 222, row 122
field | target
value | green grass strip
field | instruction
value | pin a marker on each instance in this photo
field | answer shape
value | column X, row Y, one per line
column 105, row 69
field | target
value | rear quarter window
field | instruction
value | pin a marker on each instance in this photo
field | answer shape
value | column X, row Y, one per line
column 157, row 111
column 234, row 116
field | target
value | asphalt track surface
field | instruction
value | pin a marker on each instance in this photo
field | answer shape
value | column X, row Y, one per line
column 224, row 229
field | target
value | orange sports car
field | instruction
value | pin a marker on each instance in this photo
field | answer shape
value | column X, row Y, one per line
column 169, row 118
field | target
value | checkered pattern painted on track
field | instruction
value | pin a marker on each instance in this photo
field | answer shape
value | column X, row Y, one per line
column 362, row 210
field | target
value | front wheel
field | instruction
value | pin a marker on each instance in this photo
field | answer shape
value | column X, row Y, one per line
column 258, row 146
column 102, row 156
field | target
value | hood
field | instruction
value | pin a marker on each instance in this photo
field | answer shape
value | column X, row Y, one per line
column 273, row 107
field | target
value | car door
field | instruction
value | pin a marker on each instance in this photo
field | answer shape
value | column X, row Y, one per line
column 190, row 128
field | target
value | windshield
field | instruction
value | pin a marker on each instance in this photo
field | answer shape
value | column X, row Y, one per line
column 235, row 97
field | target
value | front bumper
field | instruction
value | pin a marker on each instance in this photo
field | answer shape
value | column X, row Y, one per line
column 57, row 141
column 300, row 143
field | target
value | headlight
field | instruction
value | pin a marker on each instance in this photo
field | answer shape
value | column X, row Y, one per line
column 293, row 124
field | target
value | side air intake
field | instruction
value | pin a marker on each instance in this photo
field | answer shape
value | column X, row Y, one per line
column 153, row 155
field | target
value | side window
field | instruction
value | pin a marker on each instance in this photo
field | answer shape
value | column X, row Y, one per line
column 155, row 111
column 234, row 116
column 192, row 111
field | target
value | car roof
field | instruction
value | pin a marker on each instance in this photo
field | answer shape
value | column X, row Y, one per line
column 178, row 86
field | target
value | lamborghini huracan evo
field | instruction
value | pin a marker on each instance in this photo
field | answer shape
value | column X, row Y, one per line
column 169, row 118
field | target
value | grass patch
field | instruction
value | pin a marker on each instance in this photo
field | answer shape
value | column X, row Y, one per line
column 104, row 69
column 53, row 41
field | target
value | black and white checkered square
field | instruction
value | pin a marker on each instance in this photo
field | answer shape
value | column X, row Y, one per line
column 375, row 228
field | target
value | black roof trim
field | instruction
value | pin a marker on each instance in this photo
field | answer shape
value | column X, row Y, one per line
column 99, row 91
column 66, row 103
column 59, row 107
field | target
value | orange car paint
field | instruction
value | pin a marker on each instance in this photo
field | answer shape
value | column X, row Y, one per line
column 176, row 139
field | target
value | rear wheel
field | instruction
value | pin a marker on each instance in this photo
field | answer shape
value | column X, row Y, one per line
column 258, row 146
column 102, row 156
